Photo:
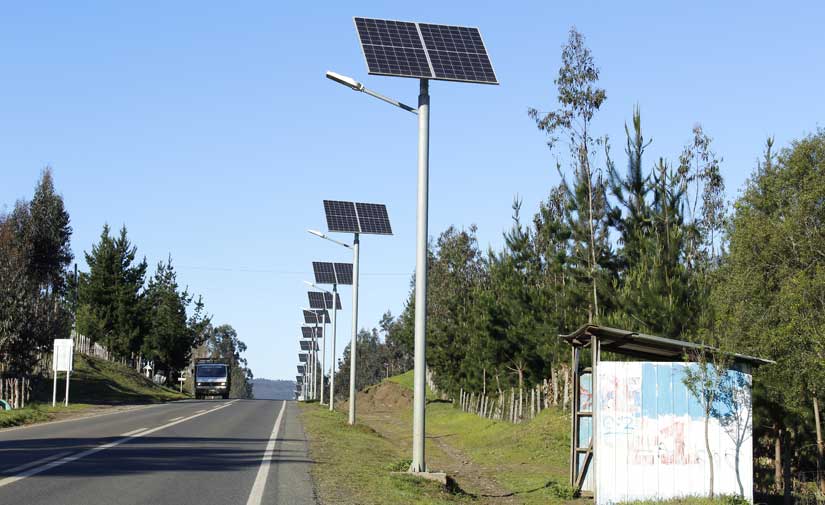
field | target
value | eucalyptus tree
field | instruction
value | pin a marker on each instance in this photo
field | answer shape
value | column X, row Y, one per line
column 579, row 99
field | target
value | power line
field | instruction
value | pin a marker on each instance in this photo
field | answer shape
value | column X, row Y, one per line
column 279, row 272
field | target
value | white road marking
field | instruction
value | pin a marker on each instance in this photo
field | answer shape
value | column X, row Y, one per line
column 175, row 418
column 256, row 495
column 83, row 418
column 35, row 463
column 130, row 433
column 74, row 457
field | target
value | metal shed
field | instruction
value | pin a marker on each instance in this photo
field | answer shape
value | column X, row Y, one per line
column 638, row 433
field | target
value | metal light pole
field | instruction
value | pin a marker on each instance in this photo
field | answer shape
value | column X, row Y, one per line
column 353, row 345
column 315, row 362
column 420, row 373
column 357, row 86
column 332, row 351
column 323, row 355
column 334, row 294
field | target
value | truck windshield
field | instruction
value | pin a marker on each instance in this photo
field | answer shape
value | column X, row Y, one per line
column 210, row 371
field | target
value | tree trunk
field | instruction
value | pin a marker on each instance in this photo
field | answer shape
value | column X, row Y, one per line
column 777, row 458
column 710, row 454
column 819, row 448
column 739, row 477
column 567, row 388
column 787, row 480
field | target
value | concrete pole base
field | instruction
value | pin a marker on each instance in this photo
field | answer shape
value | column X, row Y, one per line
column 439, row 477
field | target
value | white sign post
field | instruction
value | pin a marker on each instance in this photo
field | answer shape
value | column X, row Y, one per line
column 182, row 379
column 62, row 360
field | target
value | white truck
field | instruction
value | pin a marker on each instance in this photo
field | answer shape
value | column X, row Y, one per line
column 212, row 378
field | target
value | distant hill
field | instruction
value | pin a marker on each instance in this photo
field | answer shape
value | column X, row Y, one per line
column 265, row 389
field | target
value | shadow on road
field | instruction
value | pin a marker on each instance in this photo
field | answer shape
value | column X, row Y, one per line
column 150, row 454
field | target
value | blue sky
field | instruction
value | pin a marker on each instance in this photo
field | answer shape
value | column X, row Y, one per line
column 210, row 131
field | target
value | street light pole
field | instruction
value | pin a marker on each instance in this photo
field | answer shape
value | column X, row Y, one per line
column 332, row 356
column 353, row 345
column 323, row 354
column 420, row 373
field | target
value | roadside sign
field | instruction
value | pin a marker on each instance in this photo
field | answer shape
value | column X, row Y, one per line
column 63, row 354
column 62, row 360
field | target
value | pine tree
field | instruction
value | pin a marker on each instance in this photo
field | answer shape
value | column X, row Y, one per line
column 111, row 309
column 34, row 258
column 170, row 339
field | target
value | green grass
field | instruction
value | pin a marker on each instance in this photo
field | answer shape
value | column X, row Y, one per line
column 35, row 413
column 99, row 381
column 406, row 380
column 529, row 459
column 693, row 500
column 93, row 382
column 354, row 465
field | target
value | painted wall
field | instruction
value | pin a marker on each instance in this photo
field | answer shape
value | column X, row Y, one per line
column 650, row 434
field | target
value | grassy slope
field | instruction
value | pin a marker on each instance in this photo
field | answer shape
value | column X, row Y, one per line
column 354, row 464
column 93, row 382
column 529, row 460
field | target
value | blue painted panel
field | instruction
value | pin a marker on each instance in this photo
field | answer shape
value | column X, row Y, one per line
column 664, row 392
column 649, row 390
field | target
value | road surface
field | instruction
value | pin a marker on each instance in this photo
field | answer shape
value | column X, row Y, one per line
column 246, row 452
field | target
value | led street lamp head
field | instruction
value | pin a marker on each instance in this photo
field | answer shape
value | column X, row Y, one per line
column 346, row 81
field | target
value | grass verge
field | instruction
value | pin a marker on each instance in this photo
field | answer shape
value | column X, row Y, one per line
column 530, row 460
column 94, row 382
column 36, row 413
column 354, row 465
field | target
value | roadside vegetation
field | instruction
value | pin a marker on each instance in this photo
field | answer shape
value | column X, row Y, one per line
column 487, row 461
column 124, row 313
column 642, row 243
column 95, row 383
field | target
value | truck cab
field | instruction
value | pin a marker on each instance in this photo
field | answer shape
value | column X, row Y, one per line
column 212, row 378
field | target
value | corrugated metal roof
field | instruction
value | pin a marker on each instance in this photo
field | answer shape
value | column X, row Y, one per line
column 649, row 347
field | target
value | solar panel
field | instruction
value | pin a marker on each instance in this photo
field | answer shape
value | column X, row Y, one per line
column 310, row 317
column 306, row 345
column 343, row 273
column 341, row 216
column 306, row 331
column 373, row 218
column 393, row 48
column 328, row 300
column 424, row 51
column 324, row 272
column 457, row 53
column 357, row 217
column 323, row 316
column 316, row 300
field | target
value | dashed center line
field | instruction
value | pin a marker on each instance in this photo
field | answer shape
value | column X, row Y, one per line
column 130, row 433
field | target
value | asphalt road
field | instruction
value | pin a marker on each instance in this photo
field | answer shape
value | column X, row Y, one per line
column 246, row 452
